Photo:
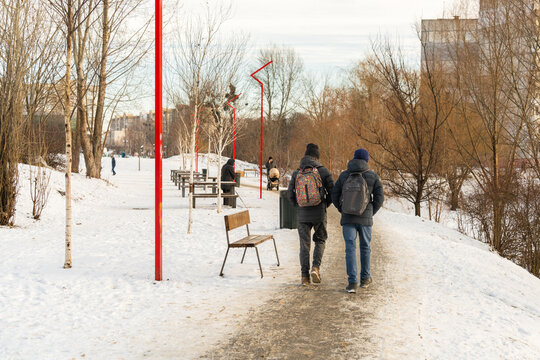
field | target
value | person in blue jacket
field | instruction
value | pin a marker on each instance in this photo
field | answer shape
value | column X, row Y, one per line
column 353, row 225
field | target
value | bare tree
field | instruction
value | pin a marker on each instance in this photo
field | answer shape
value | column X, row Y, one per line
column 417, row 105
column 65, row 10
column 107, row 50
column 22, row 53
column 200, row 59
column 181, row 132
column 221, row 127
column 496, row 101
column 282, row 90
column 324, row 107
column 39, row 189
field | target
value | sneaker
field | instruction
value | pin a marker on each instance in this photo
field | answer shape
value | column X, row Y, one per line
column 305, row 280
column 364, row 283
column 315, row 275
column 351, row 288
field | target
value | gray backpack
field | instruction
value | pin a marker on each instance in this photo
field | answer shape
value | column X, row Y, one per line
column 355, row 195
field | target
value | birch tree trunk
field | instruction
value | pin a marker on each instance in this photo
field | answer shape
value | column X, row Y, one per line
column 191, row 187
column 67, row 125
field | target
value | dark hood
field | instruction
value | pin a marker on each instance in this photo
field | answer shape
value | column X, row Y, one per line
column 230, row 162
column 357, row 165
column 309, row 161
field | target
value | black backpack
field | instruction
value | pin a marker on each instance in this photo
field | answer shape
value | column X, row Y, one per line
column 355, row 195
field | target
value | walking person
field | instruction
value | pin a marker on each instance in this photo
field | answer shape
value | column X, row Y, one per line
column 310, row 191
column 113, row 163
column 358, row 195
column 227, row 174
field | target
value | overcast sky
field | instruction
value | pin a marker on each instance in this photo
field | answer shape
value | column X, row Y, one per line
column 329, row 35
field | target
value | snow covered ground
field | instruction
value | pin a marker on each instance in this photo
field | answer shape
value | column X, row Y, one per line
column 108, row 306
column 450, row 298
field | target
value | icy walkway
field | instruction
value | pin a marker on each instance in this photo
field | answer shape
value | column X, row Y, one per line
column 436, row 294
column 321, row 321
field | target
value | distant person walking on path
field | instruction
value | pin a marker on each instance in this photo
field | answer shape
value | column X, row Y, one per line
column 113, row 163
column 358, row 195
column 310, row 191
column 227, row 174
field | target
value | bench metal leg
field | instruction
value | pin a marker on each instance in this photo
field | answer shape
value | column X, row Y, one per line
column 275, row 247
column 245, row 249
column 223, row 266
column 259, row 260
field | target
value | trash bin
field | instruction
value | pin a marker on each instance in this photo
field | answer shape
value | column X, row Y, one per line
column 204, row 172
column 287, row 212
column 237, row 176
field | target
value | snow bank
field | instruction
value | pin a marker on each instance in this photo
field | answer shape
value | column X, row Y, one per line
column 452, row 298
column 108, row 306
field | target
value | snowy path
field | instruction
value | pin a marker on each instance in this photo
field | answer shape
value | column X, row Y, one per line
column 317, row 322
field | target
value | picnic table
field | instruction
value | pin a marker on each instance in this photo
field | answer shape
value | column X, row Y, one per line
column 214, row 193
column 197, row 181
column 179, row 176
column 176, row 173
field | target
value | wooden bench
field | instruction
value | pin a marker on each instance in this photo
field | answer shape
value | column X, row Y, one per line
column 239, row 219
column 176, row 174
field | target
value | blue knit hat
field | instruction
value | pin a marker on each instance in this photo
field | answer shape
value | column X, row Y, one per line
column 361, row 154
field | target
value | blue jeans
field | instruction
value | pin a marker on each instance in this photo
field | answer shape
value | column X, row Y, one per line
column 349, row 234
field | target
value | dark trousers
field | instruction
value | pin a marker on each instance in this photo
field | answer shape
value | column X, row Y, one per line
column 319, row 238
column 228, row 201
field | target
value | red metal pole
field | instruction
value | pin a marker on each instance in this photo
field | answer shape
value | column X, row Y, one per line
column 234, row 126
column 158, row 142
column 262, row 102
column 196, row 117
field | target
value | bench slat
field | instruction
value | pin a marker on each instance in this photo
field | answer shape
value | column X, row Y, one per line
column 236, row 220
column 251, row 241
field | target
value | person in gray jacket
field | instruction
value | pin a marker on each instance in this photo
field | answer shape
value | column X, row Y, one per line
column 362, row 224
column 312, row 217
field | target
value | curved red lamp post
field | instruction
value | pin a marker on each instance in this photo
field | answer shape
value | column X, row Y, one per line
column 234, row 125
column 262, row 102
column 197, row 140
column 158, row 143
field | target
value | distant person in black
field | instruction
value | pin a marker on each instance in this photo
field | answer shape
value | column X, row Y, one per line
column 113, row 161
column 227, row 174
column 270, row 164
